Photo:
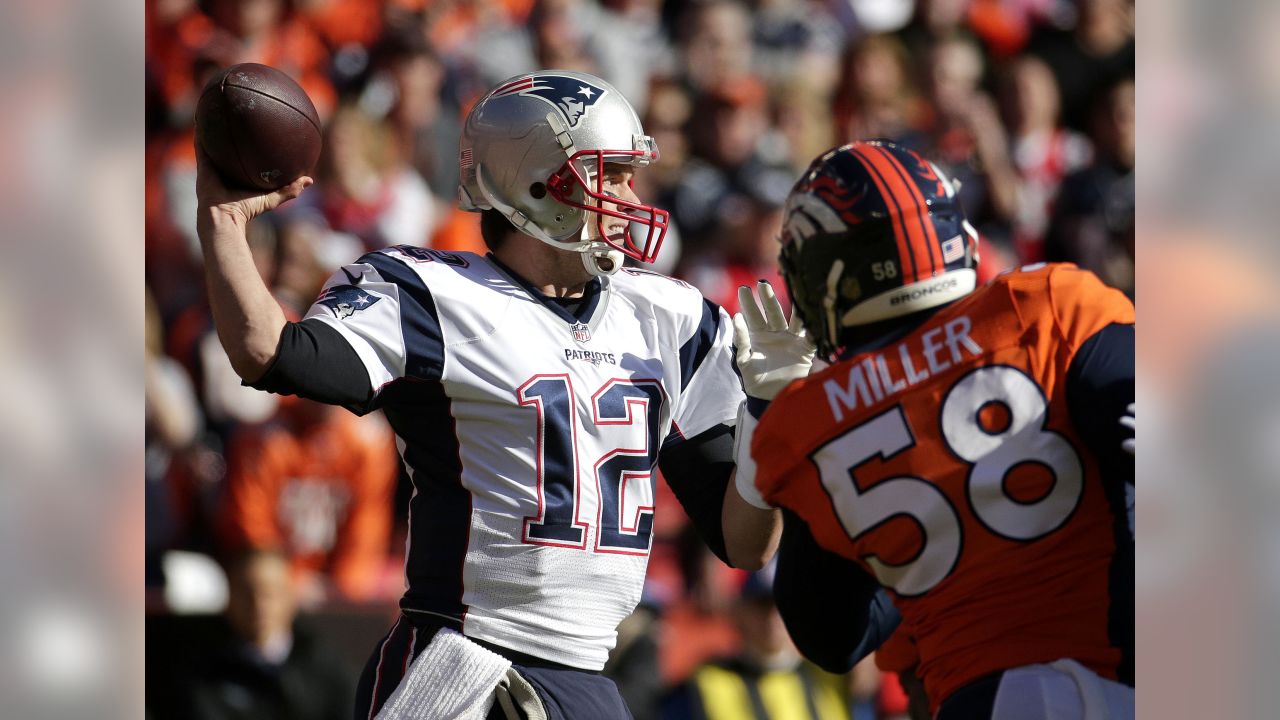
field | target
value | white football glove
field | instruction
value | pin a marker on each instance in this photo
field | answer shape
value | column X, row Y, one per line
column 771, row 351
column 1129, row 420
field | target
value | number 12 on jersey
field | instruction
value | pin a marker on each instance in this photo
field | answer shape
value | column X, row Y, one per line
column 991, row 456
column 635, row 405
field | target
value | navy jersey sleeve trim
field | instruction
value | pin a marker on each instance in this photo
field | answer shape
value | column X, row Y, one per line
column 697, row 470
column 695, row 349
column 1099, row 389
column 314, row 361
column 419, row 319
column 834, row 611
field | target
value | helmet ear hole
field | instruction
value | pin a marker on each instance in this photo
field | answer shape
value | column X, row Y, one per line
column 538, row 190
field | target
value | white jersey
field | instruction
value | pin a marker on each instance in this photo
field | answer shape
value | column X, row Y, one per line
column 531, row 435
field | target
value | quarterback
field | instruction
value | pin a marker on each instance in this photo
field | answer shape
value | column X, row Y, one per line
column 968, row 449
column 534, row 392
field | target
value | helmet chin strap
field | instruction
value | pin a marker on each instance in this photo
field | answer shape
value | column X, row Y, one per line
column 602, row 262
column 600, row 259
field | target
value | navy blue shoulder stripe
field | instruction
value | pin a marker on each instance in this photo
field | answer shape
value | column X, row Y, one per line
column 419, row 320
column 695, row 349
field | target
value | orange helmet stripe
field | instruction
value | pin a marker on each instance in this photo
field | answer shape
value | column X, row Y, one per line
column 876, row 169
column 931, row 243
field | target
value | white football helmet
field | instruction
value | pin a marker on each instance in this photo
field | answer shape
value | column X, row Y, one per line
column 534, row 149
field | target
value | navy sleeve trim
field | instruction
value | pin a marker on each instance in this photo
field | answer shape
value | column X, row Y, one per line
column 834, row 611
column 1099, row 389
column 695, row 349
column 697, row 470
column 419, row 320
column 314, row 361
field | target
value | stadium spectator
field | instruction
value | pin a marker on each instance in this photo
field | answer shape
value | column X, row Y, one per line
column 315, row 483
column 717, row 48
column 185, row 43
column 876, row 96
column 800, row 114
column 1093, row 223
column 557, row 29
column 406, row 86
column 1090, row 57
column 966, row 137
column 172, row 421
column 636, row 57
column 1043, row 152
column 746, row 243
column 731, row 161
column 263, row 665
column 484, row 41
column 369, row 190
column 767, row 679
column 343, row 23
column 795, row 39
column 194, row 343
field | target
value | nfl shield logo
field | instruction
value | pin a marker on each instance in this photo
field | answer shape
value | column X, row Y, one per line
column 581, row 333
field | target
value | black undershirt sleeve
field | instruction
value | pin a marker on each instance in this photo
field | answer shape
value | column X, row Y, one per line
column 834, row 611
column 1099, row 389
column 697, row 469
column 313, row 361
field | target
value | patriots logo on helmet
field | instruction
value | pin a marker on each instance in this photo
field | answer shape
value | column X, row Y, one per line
column 571, row 96
column 346, row 300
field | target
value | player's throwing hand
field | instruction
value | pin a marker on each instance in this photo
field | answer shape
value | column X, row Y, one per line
column 241, row 205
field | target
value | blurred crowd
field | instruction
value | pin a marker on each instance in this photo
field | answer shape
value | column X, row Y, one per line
column 261, row 508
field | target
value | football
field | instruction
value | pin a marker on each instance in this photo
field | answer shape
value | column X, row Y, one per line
column 258, row 127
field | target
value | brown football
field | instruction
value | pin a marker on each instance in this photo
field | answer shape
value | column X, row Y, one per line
column 258, row 127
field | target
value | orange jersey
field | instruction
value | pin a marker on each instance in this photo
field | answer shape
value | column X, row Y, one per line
column 324, row 496
column 947, row 465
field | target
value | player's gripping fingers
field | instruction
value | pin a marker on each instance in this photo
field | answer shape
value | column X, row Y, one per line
column 776, row 318
column 288, row 192
column 211, row 192
column 750, row 309
column 209, row 187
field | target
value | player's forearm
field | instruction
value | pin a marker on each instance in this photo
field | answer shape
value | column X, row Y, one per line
column 247, row 317
column 750, row 534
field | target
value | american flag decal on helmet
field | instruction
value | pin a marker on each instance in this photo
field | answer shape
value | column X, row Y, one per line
column 571, row 96
column 953, row 249
column 466, row 158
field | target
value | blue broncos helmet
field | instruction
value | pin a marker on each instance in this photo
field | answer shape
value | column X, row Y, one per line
column 873, row 231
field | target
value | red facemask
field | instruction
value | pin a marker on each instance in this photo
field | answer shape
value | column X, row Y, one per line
column 570, row 176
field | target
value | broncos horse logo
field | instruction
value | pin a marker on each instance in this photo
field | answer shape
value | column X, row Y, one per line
column 571, row 96
column 346, row 300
